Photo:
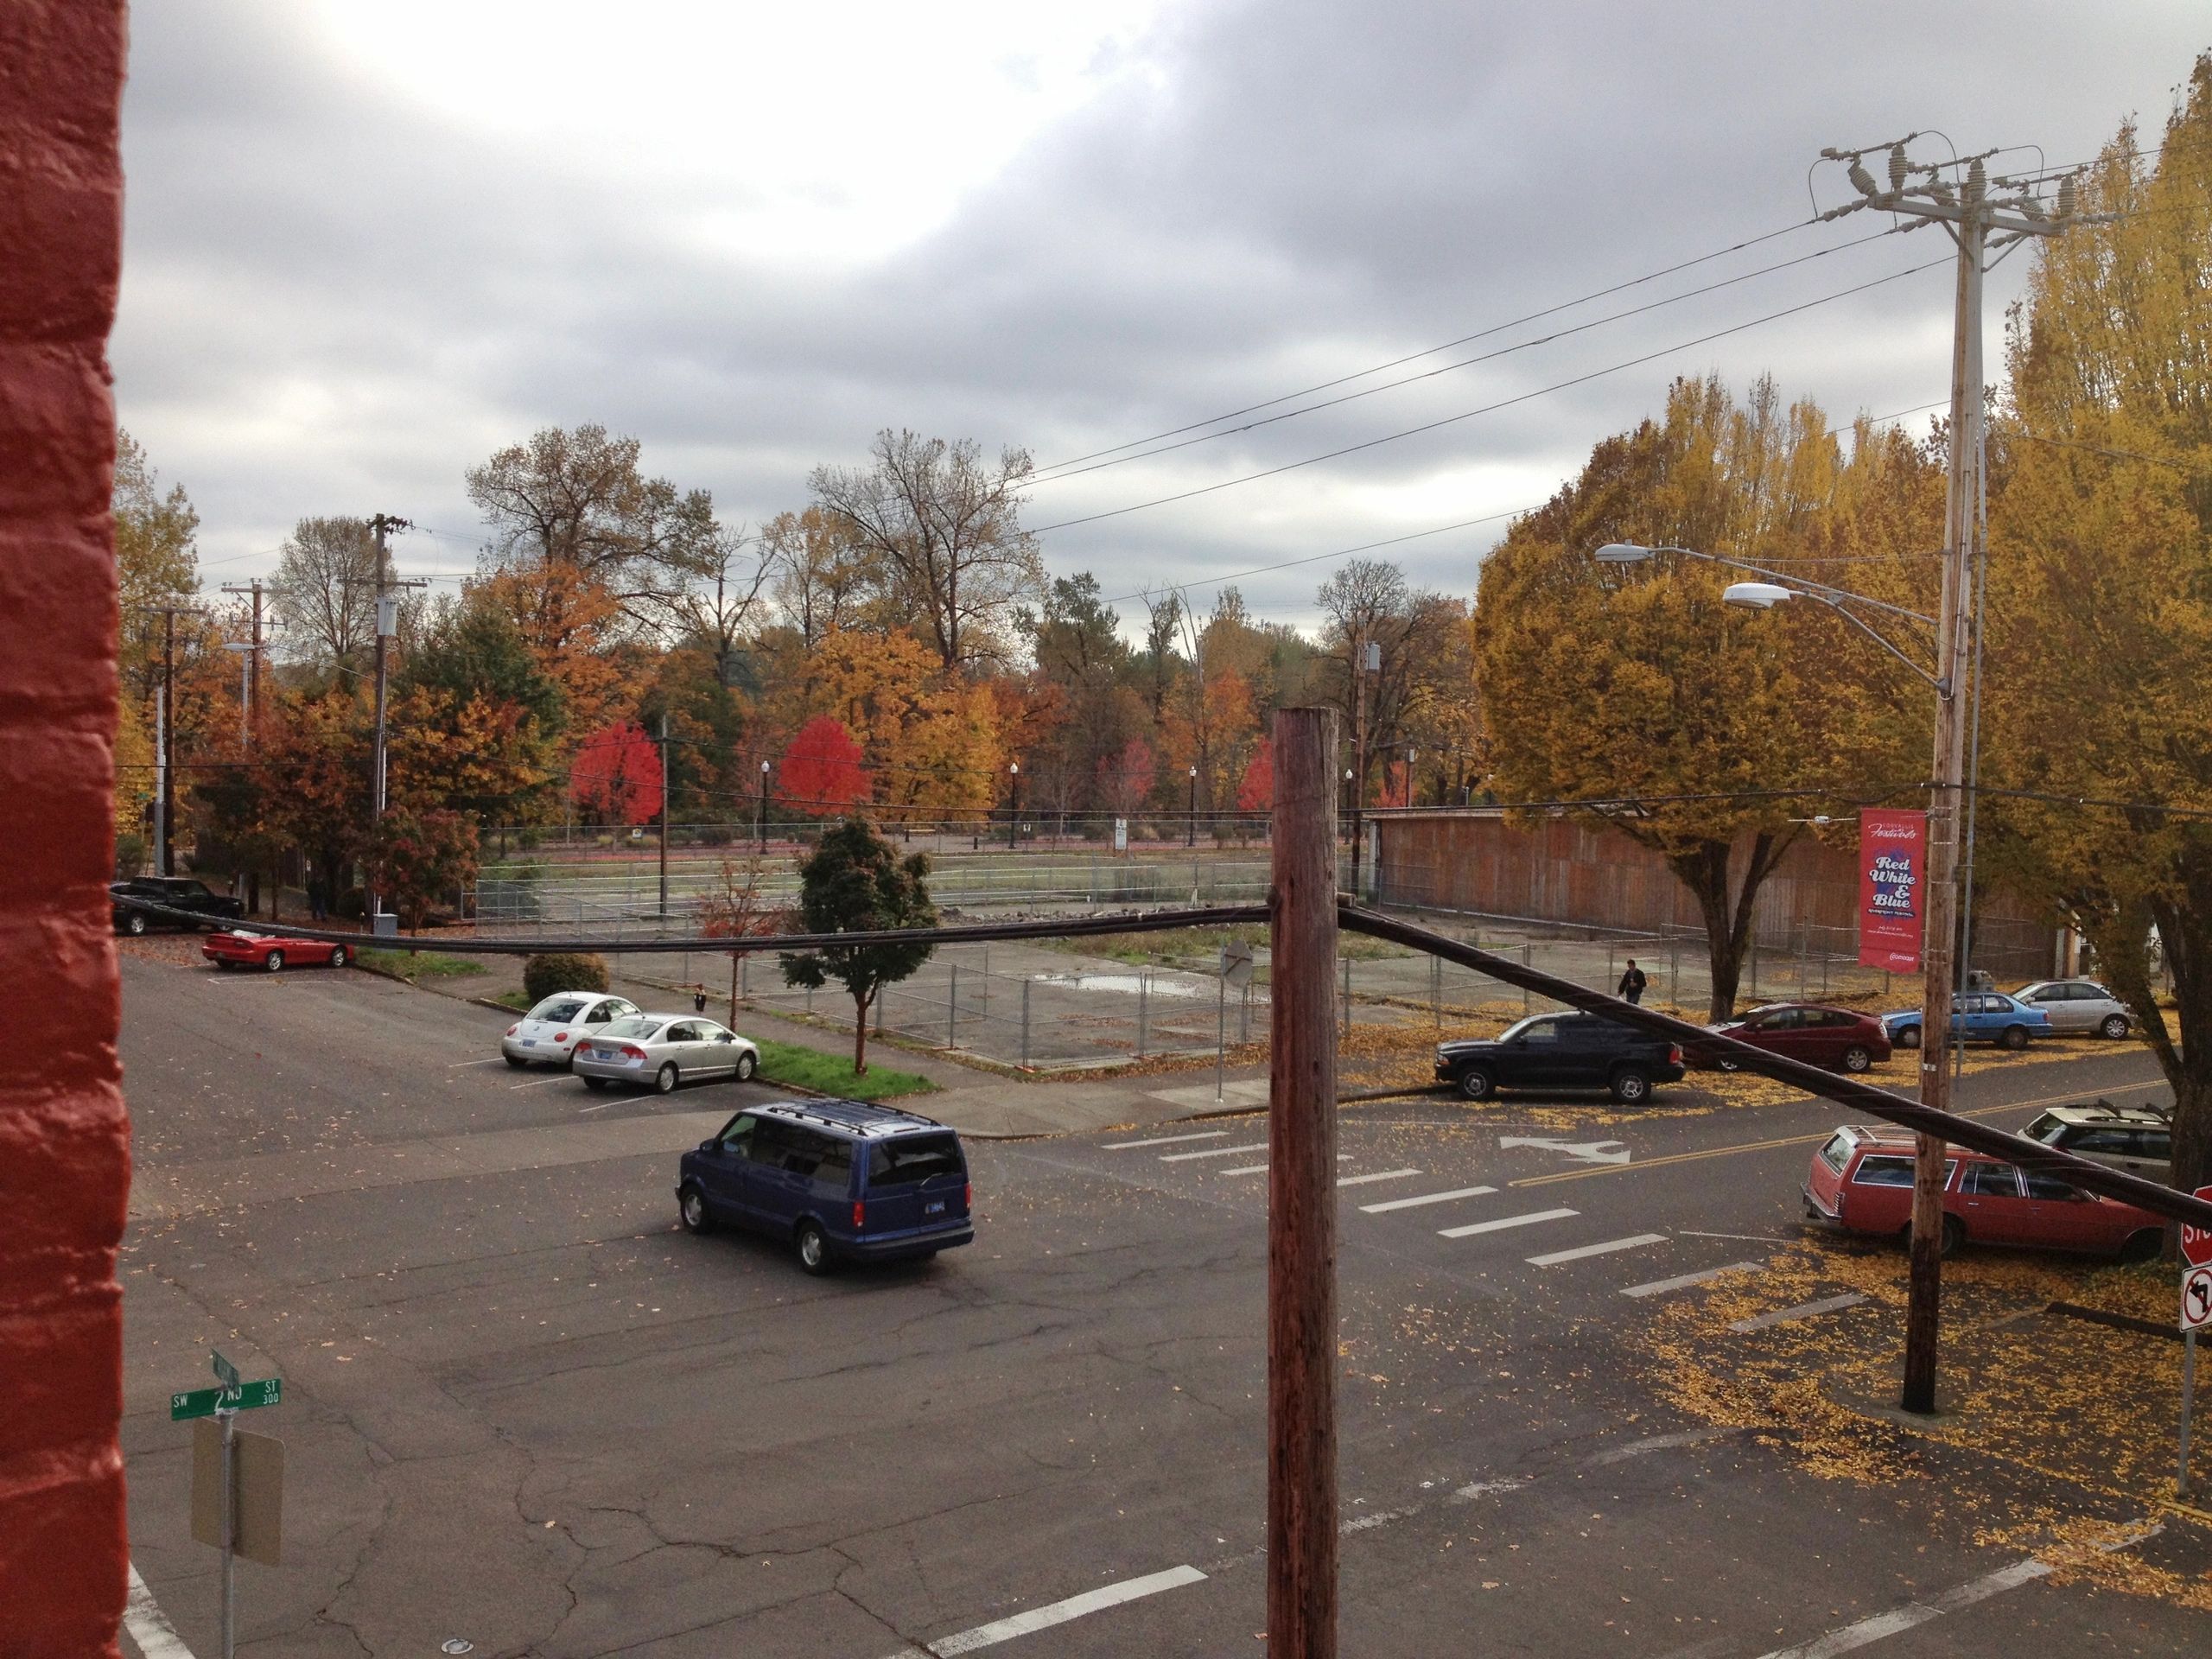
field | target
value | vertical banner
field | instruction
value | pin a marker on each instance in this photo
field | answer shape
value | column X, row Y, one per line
column 1892, row 870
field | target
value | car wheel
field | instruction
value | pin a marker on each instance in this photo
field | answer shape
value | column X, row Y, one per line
column 223, row 967
column 338, row 957
column 1856, row 1058
column 2114, row 1027
column 1954, row 1234
column 665, row 1079
column 1630, row 1087
column 513, row 1061
column 2014, row 1037
column 2144, row 1246
column 1475, row 1083
column 813, row 1247
column 136, row 925
column 748, row 1064
column 691, row 1209
column 594, row 1083
column 274, row 961
column 1908, row 1036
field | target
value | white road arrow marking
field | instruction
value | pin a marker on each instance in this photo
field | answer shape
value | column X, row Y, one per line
column 1584, row 1152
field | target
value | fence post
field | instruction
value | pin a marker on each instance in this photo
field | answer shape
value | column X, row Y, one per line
column 1025, row 1025
column 1302, row 1363
column 1344, row 967
column 1610, row 979
column 1674, row 970
column 1528, row 960
column 952, row 1011
column 1144, row 990
column 882, row 997
column 810, row 999
column 1436, row 990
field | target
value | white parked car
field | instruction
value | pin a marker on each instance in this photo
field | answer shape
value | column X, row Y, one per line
column 547, row 1034
column 2077, row 1005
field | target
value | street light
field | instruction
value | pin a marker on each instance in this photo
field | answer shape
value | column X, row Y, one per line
column 1191, row 838
column 1012, row 801
column 1945, row 873
column 764, row 806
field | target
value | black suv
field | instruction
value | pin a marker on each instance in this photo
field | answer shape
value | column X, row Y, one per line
column 1561, row 1051
column 178, row 892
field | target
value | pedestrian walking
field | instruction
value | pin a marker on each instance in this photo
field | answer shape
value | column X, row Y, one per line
column 1633, row 983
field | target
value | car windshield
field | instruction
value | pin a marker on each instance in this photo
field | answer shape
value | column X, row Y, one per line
column 1520, row 1027
column 640, row 1028
column 558, row 1008
column 2046, row 1129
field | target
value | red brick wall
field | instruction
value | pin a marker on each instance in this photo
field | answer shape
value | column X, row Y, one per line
column 64, row 1139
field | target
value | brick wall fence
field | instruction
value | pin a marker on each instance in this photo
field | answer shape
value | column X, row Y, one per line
column 63, row 1137
column 1471, row 858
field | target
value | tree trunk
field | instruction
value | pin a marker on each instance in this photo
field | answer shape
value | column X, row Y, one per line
column 860, row 1034
column 1725, row 910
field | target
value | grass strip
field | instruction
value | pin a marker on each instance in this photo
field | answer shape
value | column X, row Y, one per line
column 831, row 1074
column 419, row 964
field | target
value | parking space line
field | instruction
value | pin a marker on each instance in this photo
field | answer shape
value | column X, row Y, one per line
column 1058, row 1613
column 1803, row 1311
column 1879, row 1626
column 1581, row 1252
column 1379, row 1175
column 457, row 1065
column 1660, row 1287
column 1426, row 1197
column 149, row 1625
column 1165, row 1141
column 1212, row 1152
column 541, row 1082
column 1504, row 1222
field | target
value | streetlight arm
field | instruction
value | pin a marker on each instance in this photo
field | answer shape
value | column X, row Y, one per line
column 1810, row 588
column 1943, row 688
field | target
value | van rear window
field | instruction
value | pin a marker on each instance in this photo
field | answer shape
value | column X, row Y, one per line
column 1837, row 1153
column 913, row 1159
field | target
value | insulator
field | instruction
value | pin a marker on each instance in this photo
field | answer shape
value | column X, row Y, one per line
column 1862, row 181
column 1896, row 167
column 2066, row 197
column 1940, row 189
column 1977, row 182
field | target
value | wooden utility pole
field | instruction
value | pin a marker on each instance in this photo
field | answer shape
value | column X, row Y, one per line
column 253, row 675
column 165, row 736
column 386, row 615
column 1301, row 1192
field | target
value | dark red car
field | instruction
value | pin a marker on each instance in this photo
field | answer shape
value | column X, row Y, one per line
column 1835, row 1037
column 1861, row 1181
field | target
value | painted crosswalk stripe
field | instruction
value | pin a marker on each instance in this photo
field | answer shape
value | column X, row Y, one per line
column 1058, row 1613
column 1212, row 1152
column 1803, row 1311
column 1165, row 1140
column 1660, row 1287
column 1880, row 1626
column 1262, row 1169
column 1426, row 1197
column 1379, row 1175
column 1581, row 1252
column 1505, row 1221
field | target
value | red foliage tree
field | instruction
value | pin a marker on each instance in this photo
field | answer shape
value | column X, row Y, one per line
column 1125, row 778
column 1257, row 793
column 822, row 769
column 615, row 777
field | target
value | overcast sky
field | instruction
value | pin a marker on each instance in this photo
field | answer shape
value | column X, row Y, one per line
column 369, row 243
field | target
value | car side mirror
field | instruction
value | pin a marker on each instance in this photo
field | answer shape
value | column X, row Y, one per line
column 708, row 1146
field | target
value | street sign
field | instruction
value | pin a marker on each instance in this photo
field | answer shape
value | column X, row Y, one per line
column 225, row 1373
column 256, row 1492
column 1236, row 963
column 2196, row 1241
column 205, row 1402
column 2197, row 1299
column 1120, row 835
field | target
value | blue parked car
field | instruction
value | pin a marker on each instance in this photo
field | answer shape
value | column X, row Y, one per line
column 1985, row 1016
column 839, row 1178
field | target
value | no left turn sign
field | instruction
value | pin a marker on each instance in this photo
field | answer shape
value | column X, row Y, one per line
column 2197, row 1299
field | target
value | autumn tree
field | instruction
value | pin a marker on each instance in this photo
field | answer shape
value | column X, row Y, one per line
column 1125, row 778
column 476, row 721
column 822, row 576
column 156, row 558
column 855, row 883
column 822, row 769
column 324, row 593
column 2100, row 590
column 616, row 776
column 945, row 526
column 417, row 856
column 1626, row 696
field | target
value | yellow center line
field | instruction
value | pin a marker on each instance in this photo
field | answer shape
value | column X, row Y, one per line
column 1769, row 1146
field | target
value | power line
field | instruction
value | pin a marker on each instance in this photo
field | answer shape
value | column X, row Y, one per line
column 1071, row 470
column 1490, row 408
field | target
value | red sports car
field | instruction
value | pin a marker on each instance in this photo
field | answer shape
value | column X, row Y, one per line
column 270, row 955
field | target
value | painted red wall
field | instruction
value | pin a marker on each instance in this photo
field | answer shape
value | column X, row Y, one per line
column 64, row 1166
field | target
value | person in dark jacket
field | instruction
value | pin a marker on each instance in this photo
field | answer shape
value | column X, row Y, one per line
column 1633, row 983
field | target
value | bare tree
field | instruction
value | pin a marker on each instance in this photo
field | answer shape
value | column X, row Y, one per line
column 711, row 608
column 324, row 592
column 947, row 527
column 822, row 576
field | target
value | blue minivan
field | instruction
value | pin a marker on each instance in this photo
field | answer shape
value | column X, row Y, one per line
column 839, row 1178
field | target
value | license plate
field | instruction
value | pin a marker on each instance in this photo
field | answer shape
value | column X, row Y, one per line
column 937, row 1209
column 530, row 1042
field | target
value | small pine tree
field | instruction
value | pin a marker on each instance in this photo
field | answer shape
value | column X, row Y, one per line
column 855, row 883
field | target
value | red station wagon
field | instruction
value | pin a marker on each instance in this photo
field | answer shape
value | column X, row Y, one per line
column 1861, row 1181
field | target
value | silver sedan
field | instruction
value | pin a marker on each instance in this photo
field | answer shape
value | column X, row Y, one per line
column 2076, row 1004
column 659, row 1050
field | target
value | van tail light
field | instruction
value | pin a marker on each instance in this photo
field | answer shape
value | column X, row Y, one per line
column 967, row 1196
column 860, row 1214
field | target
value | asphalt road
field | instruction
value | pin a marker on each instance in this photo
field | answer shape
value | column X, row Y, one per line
column 523, row 1411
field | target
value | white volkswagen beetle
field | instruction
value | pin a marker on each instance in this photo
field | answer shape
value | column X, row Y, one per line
column 547, row 1034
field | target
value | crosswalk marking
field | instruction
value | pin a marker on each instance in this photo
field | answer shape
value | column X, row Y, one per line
column 1379, row 1175
column 1660, row 1287
column 1426, row 1197
column 1167, row 1139
column 1212, row 1152
column 1503, row 1223
column 1803, row 1311
column 1262, row 1169
column 1582, row 1251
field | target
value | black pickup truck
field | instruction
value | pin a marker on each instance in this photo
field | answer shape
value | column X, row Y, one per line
column 178, row 892
column 1561, row 1051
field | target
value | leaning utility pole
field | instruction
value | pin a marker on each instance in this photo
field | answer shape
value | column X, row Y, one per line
column 387, row 624
column 1978, row 224
column 1301, row 1192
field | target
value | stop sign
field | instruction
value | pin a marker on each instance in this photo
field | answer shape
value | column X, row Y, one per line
column 2196, row 1241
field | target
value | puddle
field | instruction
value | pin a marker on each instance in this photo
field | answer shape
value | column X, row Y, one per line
column 1128, row 984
